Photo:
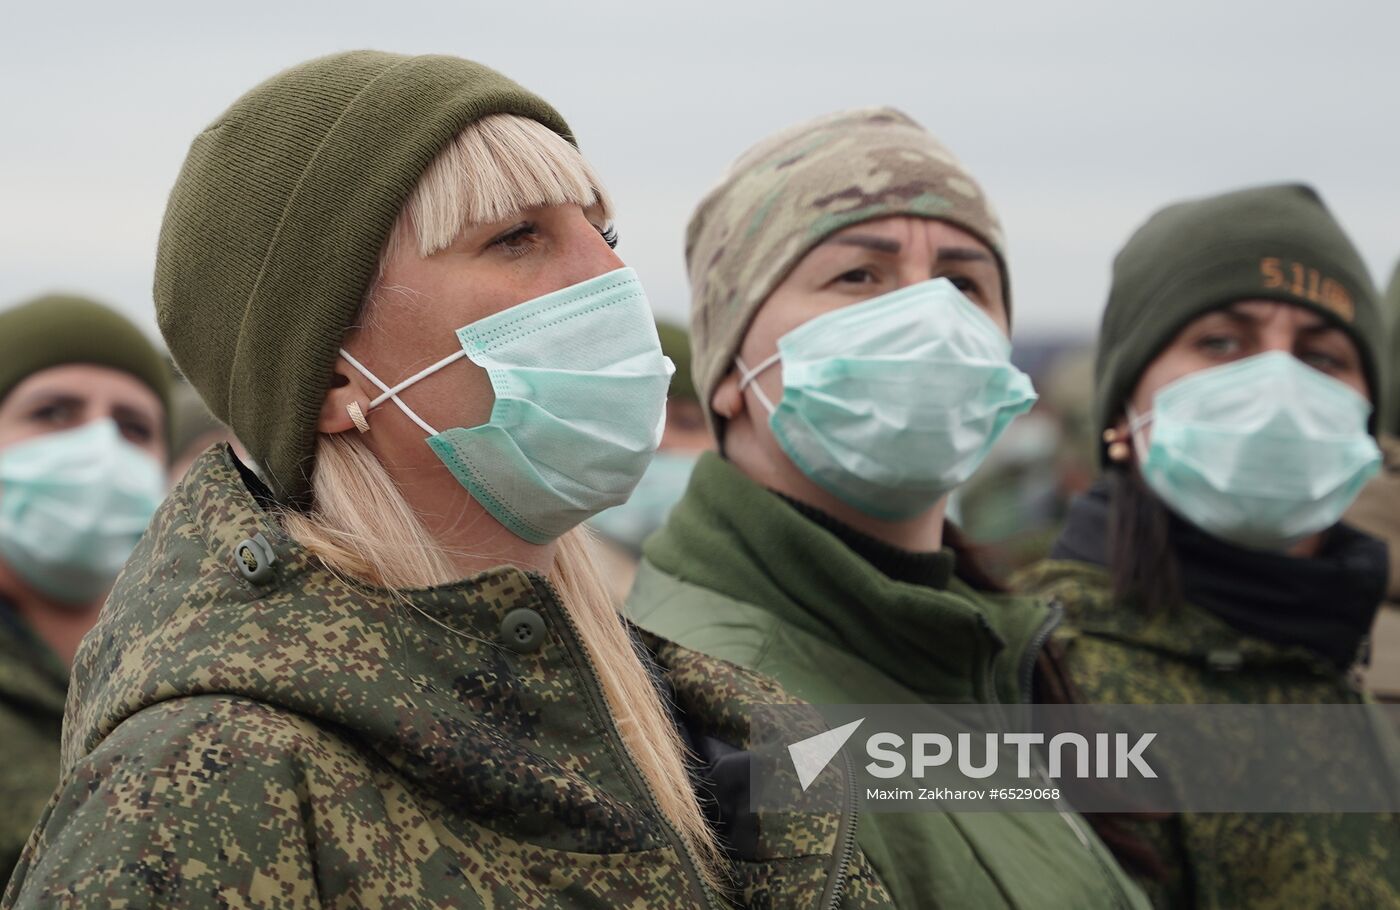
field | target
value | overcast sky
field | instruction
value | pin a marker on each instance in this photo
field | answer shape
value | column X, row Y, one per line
column 1079, row 118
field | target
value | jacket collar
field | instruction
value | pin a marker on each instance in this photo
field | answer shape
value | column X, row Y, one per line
column 1274, row 606
column 730, row 535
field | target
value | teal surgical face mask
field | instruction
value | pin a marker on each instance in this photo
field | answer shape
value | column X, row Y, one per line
column 72, row 507
column 890, row 403
column 1262, row 452
column 580, row 385
column 661, row 487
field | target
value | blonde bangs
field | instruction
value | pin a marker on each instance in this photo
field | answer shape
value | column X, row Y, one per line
column 495, row 168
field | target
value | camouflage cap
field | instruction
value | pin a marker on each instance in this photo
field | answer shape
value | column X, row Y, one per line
column 796, row 188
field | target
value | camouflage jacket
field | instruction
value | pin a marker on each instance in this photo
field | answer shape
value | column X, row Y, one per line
column 1114, row 655
column 33, row 683
column 1377, row 512
column 740, row 574
column 247, row 729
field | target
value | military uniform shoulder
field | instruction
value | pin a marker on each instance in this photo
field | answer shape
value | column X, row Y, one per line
column 237, row 779
column 1055, row 573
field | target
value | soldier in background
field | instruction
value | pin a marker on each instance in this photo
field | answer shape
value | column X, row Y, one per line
column 622, row 529
column 193, row 430
column 1240, row 355
column 1377, row 511
column 850, row 321
column 1015, row 504
column 83, row 408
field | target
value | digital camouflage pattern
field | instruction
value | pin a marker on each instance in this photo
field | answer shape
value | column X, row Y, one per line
column 299, row 740
column 33, row 684
column 1114, row 655
column 794, row 189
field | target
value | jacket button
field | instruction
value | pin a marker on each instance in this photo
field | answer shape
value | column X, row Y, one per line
column 254, row 558
column 523, row 631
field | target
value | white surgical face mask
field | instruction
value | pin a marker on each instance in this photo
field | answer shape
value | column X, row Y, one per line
column 580, row 385
column 890, row 403
column 1262, row 452
column 72, row 507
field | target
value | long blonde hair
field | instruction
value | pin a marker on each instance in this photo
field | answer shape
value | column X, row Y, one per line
column 361, row 526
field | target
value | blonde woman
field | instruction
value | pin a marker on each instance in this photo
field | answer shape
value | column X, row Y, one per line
column 381, row 671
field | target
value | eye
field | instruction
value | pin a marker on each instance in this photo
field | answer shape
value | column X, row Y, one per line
column 609, row 232
column 856, row 276
column 968, row 286
column 519, row 240
column 136, row 431
column 1321, row 360
column 1218, row 345
column 55, row 413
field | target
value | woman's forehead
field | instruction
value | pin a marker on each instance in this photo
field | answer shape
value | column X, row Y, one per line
column 87, row 382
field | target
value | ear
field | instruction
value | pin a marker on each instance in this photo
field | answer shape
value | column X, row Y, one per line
column 347, row 387
column 728, row 400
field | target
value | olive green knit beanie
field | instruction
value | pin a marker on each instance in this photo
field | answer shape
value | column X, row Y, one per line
column 793, row 190
column 61, row 329
column 275, row 226
column 1273, row 242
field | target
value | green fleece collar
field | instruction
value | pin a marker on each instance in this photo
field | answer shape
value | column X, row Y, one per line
column 732, row 536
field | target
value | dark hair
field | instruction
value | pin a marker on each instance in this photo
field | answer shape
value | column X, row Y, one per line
column 1141, row 562
column 970, row 565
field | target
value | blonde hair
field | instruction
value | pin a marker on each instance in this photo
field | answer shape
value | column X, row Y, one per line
column 361, row 526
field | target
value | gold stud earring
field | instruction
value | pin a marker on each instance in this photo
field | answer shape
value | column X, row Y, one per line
column 1118, row 450
column 357, row 416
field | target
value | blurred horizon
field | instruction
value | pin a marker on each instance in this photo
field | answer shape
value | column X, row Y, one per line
column 1078, row 120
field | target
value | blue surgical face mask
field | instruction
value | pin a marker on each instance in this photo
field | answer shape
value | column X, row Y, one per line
column 72, row 507
column 1262, row 452
column 580, row 385
column 661, row 487
column 890, row 403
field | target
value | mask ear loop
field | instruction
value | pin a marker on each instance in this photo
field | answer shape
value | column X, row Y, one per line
column 747, row 377
column 392, row 394
column 1136, row 422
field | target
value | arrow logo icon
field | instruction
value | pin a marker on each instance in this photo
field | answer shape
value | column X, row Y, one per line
column 810, row 756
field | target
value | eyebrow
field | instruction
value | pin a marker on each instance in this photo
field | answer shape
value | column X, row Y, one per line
column 869, row 242
column 49, row 397
column 962, row 254
column 1321, row 326
column 892, row 247
column 131, row 412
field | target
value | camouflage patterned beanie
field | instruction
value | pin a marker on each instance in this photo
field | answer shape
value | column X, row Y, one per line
column 274, row 229
column 793, row 190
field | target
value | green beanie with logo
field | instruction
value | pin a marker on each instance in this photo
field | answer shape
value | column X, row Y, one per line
column 1272, row 243
column 62, row 329
column 274, row 229
column 794, row 189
